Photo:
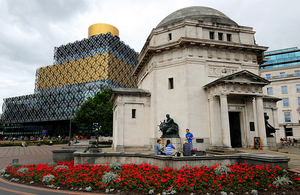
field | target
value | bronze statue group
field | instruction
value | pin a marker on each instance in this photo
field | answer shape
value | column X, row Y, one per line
column 168, row 148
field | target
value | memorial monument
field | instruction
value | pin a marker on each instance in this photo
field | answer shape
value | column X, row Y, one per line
column 169, row 128
column 203, row 68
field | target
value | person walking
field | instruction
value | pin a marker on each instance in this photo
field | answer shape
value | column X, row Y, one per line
column 169, row 147
column 186, row 148
column 189, row 136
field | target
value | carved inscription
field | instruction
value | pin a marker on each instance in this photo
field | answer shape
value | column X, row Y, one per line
column 217, row 71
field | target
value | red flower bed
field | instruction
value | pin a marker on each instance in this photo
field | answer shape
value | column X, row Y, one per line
column 243, row 178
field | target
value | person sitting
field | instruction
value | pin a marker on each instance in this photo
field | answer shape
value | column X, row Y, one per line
column 186, row 148
column 169, row 147
column 158, row 149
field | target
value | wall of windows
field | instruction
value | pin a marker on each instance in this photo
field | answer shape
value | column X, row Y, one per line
column 281, row 58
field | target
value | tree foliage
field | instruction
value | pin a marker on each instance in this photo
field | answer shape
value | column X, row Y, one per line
column 96, row 113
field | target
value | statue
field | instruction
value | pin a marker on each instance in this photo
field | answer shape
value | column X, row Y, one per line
column 169, row 128
column 269, row 128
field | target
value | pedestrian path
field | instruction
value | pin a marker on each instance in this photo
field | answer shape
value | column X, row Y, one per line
column 27, row 155
column 292, row 153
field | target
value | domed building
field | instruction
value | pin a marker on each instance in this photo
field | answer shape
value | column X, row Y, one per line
column 200, row 67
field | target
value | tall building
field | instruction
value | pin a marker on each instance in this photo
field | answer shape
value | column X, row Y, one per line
column 80, row 70
column 200, row 67
column 283, row 70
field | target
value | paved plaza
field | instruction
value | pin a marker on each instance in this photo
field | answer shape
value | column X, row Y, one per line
column 43, row 154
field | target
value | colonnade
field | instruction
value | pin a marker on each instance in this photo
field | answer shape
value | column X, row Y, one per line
column 220, row 131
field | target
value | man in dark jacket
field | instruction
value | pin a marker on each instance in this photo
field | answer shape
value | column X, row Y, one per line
column 186, row 148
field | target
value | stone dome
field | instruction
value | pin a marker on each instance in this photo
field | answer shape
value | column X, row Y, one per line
column 197, row 13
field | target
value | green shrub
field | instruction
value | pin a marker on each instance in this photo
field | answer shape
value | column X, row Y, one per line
column 115, row 166
column 109, row 178
column 16, row 143
column 22, row 170
column 3, row 171
column 281, row 180
column 16, row 165
column 52, row 164
column 61, row 167
column 222, row 169
column 48, row 178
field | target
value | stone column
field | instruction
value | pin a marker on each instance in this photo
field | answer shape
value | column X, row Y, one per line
column 215, row 127
column 255, row 116
column 225, row 122
column 261, row 122
column 276, row 125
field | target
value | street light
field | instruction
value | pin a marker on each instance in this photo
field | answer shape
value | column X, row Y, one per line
column 284, row 127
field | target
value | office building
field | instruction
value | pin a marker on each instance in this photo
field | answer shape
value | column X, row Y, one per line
column 283, row 71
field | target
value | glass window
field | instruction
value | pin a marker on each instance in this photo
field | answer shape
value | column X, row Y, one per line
column 298, row 101
column 284, row 89
column 171, row 83
column 270, row 90
column 285, row 101
column 282, row 74
column 291, row 55
column 286, row 55
column 287, row 117
column 298, row 88
column 278, row 56
column 211, row 35
column 228, row 37
column 268, row 76
column 133, row 113
column 297, row 73
column 220, row 36
column 170, row 36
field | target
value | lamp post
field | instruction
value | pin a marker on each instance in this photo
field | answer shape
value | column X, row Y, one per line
column 70, row 128
column 284, row 127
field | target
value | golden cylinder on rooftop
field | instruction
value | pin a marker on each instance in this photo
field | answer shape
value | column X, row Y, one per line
column 101, row 28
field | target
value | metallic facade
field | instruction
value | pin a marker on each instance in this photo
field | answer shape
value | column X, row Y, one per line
column 101, row 28
column 282, row 58
column 80, row 70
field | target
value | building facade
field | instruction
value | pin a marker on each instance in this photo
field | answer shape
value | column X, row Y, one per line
column 80, row 70
column 283, row 71
column 201, row 68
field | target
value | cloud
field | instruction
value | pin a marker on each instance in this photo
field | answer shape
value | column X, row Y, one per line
column 31, row 29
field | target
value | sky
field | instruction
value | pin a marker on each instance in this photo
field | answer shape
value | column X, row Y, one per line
column 30, row 29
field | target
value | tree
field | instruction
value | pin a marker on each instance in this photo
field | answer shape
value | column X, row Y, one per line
column 97, row 113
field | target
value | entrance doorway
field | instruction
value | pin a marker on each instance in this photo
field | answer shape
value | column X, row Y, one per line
column 235, row 129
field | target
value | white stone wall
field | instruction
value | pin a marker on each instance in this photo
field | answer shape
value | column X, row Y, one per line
column 128, row 132
column 191, row 67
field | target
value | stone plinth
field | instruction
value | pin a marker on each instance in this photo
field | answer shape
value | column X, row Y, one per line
column 66, row 153
column 272, row 143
